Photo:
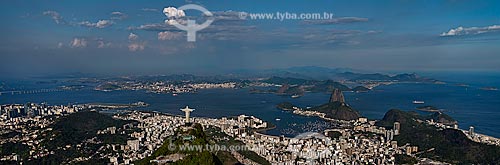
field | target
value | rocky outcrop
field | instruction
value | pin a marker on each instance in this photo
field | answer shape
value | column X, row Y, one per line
column 283, row 89
column 337, row 96
column 336, row 108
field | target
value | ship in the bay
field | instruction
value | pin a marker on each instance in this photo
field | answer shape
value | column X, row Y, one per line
column 418, row 102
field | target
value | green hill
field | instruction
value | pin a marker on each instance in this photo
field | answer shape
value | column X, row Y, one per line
column 202, row 137
column 285, row 106
column 410, row 118
column 449, row 145
column 337, row 110
column 360, row 89
column 72, row 130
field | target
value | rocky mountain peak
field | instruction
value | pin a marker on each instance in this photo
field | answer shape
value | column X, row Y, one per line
column 337, row 96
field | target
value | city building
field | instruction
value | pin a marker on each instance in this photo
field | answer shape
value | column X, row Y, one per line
column 397, row 128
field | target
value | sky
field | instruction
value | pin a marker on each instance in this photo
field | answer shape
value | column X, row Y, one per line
column 135, row 37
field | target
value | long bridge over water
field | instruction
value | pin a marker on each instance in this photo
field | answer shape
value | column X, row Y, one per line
column 29, row 91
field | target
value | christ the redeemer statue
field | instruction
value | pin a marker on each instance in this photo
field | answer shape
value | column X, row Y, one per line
column 187, row 110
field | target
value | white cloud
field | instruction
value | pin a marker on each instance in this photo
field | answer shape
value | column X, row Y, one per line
column 453, row 32
column 78, row 43
column 471, row 30
column 175, row 21
column 55, row 16
column 154, row 27
column 174, row 15
column 87, row 24
column 136, row 46
column 132, row 36
column 172, row 12
column 103, row 44
column 100, row 24
column 118, row 15
column 103, row 23
column 168, row 35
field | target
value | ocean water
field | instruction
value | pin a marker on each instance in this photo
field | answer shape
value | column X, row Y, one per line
column 469, row 105
column 213, row 103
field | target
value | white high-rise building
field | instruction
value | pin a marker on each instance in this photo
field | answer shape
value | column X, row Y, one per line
column 471, row 130
column 397, row 128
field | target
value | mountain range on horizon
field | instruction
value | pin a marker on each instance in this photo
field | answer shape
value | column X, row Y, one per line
column 302, row 72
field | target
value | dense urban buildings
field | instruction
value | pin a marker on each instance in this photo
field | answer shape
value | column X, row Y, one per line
column 359, row 141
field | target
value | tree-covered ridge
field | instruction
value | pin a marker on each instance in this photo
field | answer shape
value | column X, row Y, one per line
column 285, row 106
column 202, row 137
column 412, row 117
column 447, row 145
column 74, row 129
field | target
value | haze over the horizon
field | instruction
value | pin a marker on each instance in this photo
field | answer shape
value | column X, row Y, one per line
column 120, row 37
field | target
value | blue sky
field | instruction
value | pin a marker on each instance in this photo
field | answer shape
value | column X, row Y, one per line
column 125, row 36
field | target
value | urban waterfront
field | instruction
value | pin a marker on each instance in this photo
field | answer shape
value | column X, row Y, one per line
column 468, row 105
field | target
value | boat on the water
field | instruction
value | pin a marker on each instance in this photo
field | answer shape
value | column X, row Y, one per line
column 278, row 119
column 295, row 96
column 418, row 102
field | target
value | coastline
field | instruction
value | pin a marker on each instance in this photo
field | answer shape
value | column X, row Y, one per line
column 373, row 112
column 478, row 137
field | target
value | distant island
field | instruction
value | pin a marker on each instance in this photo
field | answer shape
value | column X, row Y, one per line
column 108, row 87
column 428, row 108
column 287, row 106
